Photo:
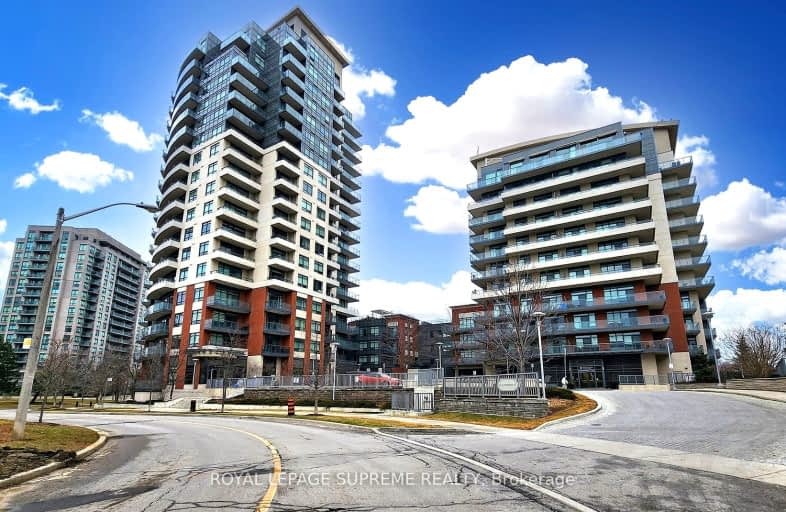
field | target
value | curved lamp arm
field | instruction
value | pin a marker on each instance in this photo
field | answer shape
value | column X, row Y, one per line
column 148, row 207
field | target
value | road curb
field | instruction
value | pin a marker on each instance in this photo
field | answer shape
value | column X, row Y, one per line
column 570, row 418
column 727, row 392
column 25, row 476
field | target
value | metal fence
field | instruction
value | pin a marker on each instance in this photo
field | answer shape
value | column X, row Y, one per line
column 512, row 385
column 676, row 378
column 367, row 380
column 406, row 400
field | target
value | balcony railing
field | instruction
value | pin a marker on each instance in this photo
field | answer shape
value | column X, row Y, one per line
column 657, row 346
column 530, row 165
column 227, row 303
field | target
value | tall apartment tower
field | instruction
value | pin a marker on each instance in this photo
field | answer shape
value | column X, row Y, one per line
column 255, row 244
column 95, row 298
column 605, row 222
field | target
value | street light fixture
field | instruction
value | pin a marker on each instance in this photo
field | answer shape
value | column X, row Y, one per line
column 38, row 329
column 539, row 315
column 671, row 363
column 708, row 315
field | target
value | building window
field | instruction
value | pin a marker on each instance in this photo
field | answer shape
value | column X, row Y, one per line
column 305, row 205
column 305, row 243
column 197, row 158
column 319, row 248
column 584, row 321
column 300, row 344
column 610, row 224
column 616, row 266
column 300, row 303
column 199, row 293
column 323, row 180
column 618, row 294
column 192, row 195
column 627, row 338
column 547, row 256
column 214, row 149
column 575, row 230
column 188, row 234
column 317, row 285
column 305, row 224
column 320, row 231
column 581, row 297
column 210, row 187
column 303, row 262
column 308, row 188
column 320, row 214
column 316, row 327
column 319, row 267
column 200, row 269
column 587, row 342
column 194, row 176
column 577, row 272
column 190, row 214
column 181, row 298
column 321, row 197
column 302, row 281
column 183, row 274
column 193, row 339
column 203, row 248
column 212, row 168
column 206, row 227
column 612, row 245
column 178, row 319
column 196, row 316
column 185, row 254
column 308, row 170
column 300, row 324
column 207, row 208
column 316, row 307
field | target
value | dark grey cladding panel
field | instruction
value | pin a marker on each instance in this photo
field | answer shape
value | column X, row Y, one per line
column 649, row 151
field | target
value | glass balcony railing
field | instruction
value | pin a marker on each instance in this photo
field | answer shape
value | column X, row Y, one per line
column 530, row 165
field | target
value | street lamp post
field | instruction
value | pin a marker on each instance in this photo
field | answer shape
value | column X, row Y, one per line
column 538, row 319
column 43, row 304
column 440, row 371
column 671, row 363
column 708, row 315
column 333, row 348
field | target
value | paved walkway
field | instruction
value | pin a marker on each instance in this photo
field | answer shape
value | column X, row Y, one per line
column 777, row 396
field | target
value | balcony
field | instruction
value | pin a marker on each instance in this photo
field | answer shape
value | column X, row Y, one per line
column 652, row 322
column 289, row 132
column 338, row 92
column 290, row 79
column 647, row 251
column 295, row 47
column 172, row 209
column 160, row 288
column 679, row 166
column 588, row 235
column 281, row 261
column 656, row 346
column 190, row 100
column 231, row 305
column 234, row 279
column 495, row 218
column 225, row 326
column 688, row 206
column 292, row 64
column 155, row 331
column 158, row 310
column 692, row 328
column 242, row 160
column 653, row 300
column 277, row 328
column 242, row 238
column 169, row 229
column 288, row 113
column 687, row 224
column 239, row 178
column 486, row 238
column 240, row 196
column 275, row 350
column 162, row 268
column 239, row 101
column 243, row 123
column 695, row 244
column 530, row 165
column 488, row 255
column 233, row 257
column 689, row 306
column 682, row 185
column 278, row 307
column 175, row 191
column 344, row 294
column 699, row 265
column 292, row 97
column 703, row 285
column 237, row 216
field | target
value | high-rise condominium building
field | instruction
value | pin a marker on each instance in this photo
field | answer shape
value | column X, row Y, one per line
column 603, row 224
column 255, row 244
column 95, row 297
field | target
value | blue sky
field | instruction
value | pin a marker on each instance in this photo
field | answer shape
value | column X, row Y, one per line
column 715, row 67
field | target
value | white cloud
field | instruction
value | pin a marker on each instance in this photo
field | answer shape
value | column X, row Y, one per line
column 83, row 172
column 122, row 130
column 743, row 215
column 359, row 83
column 745, row 306
column 3, row 226
column 438, row 210
column 524, row 100
column 422, row 300
column 703, row 159
column 766, row 266
column 22, row 99
column 26, row 180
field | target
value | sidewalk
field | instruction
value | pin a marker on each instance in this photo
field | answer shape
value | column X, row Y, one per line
column 775, row 396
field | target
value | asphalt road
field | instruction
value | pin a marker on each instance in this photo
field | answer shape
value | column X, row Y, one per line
column 712, row 423
column 163, row 463
column 157, row 463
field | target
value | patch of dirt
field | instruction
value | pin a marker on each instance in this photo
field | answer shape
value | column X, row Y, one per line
column 17, row 460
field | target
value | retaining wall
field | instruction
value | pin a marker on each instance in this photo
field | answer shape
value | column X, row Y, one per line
column 773, row 384
column 518, row 407
column 282, row 394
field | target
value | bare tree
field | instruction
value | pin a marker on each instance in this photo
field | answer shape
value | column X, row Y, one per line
column 53, row 373
column 509, row 327
column 230, row 355
column 756, row 350
column 174, row 365
column 315, row 381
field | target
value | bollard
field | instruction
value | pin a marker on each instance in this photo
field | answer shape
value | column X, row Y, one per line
column 290, row 406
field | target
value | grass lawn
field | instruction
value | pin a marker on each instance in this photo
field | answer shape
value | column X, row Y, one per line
column 557, row 409
column 68, row 402
column 48, row 437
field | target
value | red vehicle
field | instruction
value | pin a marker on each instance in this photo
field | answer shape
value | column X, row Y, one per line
column 376, row 378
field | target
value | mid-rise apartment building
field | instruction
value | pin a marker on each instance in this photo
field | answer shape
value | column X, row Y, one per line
column 255, row 244
column 604, row 223
column 386, row 341
column 95, row 297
